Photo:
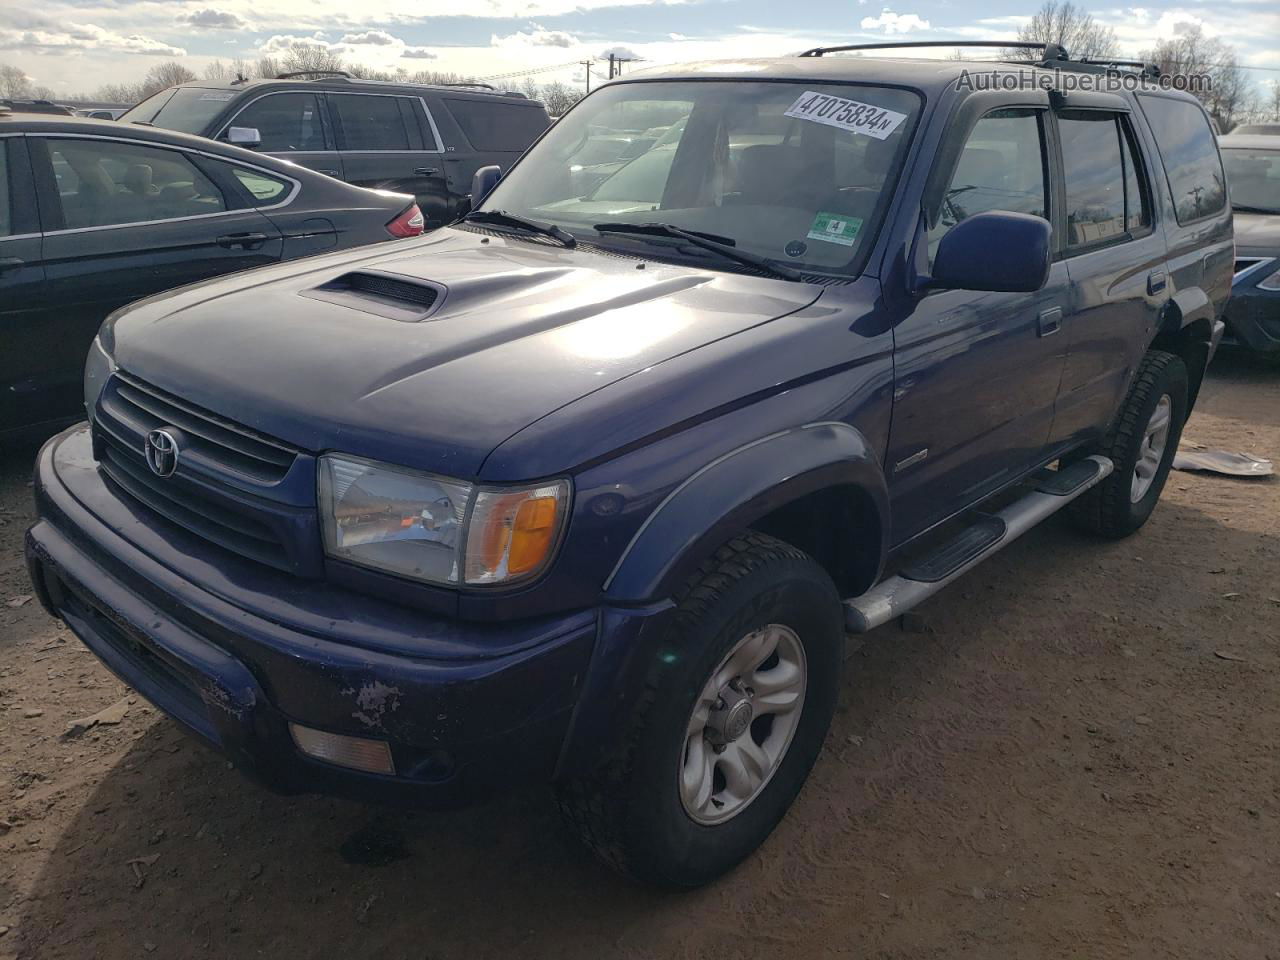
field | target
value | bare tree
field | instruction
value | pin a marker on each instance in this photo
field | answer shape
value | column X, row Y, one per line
column 1063, row 23
column 529, row 87
column 1273, row 108
column 1228, row 95
column 311, row 58
column 14, row 84
column 267, row 68
column 162, row 75
column 559, row 97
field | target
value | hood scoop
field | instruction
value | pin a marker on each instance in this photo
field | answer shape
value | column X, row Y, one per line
column 396, row 297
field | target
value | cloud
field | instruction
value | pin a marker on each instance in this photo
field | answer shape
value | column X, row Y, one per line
column 418, row 53
column 621, row 53
column 281, row 43
column 537, row 37
column 379, row 38
column 210, row 19
column 892, row 23
column 48, row 36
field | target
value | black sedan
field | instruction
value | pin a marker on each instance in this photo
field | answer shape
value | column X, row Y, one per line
column 95, row 214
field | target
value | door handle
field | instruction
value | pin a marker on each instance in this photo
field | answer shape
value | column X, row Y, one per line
column 427, row 171
column 328, row 173
column 245, row 241
column 1050, row 321
column 11, row 263
column 1155, row 282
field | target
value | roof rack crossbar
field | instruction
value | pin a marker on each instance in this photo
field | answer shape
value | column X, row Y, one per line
column 1052, row 51
column 312, row 73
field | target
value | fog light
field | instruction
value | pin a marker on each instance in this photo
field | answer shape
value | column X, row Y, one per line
column 371, row 756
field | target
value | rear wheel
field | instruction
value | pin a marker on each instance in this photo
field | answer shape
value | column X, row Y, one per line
column 1141, row 443
column 735, row 710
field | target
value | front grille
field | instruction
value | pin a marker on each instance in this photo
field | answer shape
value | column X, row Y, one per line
column 234, row 487
column 217, row 439
column 182, row 502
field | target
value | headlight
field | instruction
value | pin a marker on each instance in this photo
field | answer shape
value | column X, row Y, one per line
column 416, row 524
column 1270, row 283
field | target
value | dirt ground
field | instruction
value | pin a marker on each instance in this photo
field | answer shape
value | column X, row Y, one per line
column 1078, row 759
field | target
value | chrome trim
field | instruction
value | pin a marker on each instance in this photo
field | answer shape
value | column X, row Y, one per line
column 431, row 120
column 1254, row 264
column 297, row 184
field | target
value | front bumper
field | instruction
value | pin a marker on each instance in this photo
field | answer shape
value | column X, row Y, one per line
column 238, row 653
column 1253, row 314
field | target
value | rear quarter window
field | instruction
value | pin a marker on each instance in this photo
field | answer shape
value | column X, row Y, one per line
column 1189, row 155
column 503, row 127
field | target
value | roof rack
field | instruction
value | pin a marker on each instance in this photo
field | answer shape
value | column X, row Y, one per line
column 1052, row 51
column 1147, row 69
column 463, row 83
column 313, row 73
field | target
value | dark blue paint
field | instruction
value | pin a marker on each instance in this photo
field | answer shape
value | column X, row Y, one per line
column 683, row 403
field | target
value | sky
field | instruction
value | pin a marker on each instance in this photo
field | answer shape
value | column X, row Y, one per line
column 78, row 45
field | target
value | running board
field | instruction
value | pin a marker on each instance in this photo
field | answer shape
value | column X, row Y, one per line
column 896, row 595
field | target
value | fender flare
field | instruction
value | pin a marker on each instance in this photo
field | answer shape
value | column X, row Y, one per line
column 1186, row 307
column 731, row 492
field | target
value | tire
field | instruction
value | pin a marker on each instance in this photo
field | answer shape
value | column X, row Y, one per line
column 637, row 812
column 1121, row 504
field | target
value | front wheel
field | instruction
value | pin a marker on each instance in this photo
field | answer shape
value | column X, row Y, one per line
column 1141, row 443
column 736, row 706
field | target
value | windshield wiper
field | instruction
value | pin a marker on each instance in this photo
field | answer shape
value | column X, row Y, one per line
column 706, row 241
column 500, row 218
column 1246, row 208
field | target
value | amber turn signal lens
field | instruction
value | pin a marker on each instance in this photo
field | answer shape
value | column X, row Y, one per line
column 531, row 537
column 512, row 533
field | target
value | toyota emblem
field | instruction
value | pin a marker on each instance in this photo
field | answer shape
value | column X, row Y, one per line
column 162, row 453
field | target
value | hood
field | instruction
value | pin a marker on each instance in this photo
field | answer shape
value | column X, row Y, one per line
column 520, row 330
column 1257, row 234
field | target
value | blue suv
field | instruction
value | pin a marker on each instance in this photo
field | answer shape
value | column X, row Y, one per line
column 590, row 486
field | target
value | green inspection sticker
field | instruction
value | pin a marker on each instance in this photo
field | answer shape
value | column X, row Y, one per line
column 835, row 228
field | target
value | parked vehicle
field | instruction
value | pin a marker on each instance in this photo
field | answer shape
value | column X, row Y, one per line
column 101, row 113
column 592, row 495
column 1252, row 163
column 411, row 138
column 1265, row 129
column 35, row 106
column 93, row 216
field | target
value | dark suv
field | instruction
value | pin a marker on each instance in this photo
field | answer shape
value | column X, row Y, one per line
column 424, row 140
column 589, row 488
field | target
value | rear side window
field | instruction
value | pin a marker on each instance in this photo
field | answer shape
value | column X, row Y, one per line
column 105, row 183
column 1001, row 167
column 1189, row 154
column 6, row 191
column 370, row 122
column 286, row 122
column 263, row 188
column 1104, row 196
column 508, row 128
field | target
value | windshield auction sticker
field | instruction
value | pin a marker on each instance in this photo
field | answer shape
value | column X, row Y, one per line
column 835, row 228
column 846, row 114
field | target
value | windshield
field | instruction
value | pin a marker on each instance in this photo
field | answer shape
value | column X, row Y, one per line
column 794, row 172
column 186, row 109
column 1253, row 177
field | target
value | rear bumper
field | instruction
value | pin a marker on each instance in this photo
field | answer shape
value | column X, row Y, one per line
column 490, row 707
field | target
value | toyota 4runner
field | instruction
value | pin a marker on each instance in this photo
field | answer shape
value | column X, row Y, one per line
column 589, row 487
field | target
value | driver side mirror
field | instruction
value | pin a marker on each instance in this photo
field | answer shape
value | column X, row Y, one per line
column 997, row 251
column 484, row 180
column 244, row 137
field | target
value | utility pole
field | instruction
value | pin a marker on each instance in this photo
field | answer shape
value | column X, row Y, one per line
column 587, row 64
